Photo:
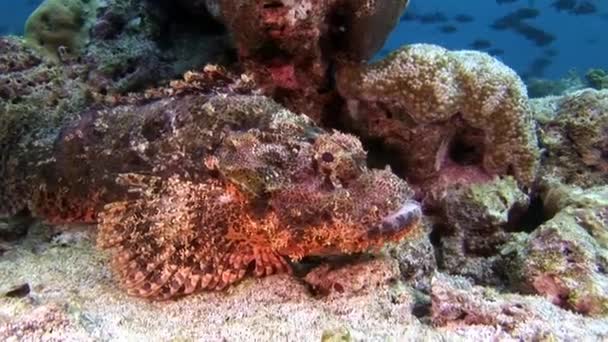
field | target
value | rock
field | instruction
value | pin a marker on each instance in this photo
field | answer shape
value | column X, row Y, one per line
column 353, row 279
column 566, row 258
column 37, row 97
column 416, row 257
column 597, row 78
column 475, row 223
column 458, row 306
column 45, row 323
column 137, row 44
column 289, row 46
column 575, row 137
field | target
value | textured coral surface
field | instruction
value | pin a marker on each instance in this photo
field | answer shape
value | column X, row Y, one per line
column 290, row 45
column 432, row 104
column 575, row 136
column 565, row 259
column 37, row 98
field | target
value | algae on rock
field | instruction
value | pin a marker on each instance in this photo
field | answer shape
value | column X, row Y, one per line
column 61, row 27
column 574, row 133
column 475, row 223
column 566, row 258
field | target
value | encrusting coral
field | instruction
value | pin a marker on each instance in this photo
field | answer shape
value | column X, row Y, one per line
column 456, row 113
column 575, row 137
column 289, row 46
column 61, row 27
column 474, row 225
column 565, row 259
column 37, row 98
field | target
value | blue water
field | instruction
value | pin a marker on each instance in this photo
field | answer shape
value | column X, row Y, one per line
column 580, row 41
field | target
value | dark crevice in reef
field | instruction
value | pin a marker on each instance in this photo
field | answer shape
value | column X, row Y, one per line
column 527, row 219
column 16, row 227
column 435, row 237
column 177, row 21
column 381, row 154
column 466, row 149
column 337, row 21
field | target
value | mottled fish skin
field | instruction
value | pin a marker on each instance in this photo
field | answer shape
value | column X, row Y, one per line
column 190, row 191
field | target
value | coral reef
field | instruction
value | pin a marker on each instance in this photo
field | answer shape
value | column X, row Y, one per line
column 475, row 223
column 136, row 44
column 416, row 257
column 237, row 169
column 61, row 27
column 128, row 45
column 597, row 78
column 461, row 114
column 38, row 97
column 574, row 134
column 289, row 46
column 538, row 87
column 566, row 258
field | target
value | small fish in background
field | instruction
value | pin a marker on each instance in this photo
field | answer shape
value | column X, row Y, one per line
column 480, row 44
column 464, row 18
column 592, row 40
column 585, row 8
column 408, row 17
column 550, row 52
column 433, row 18
column 537, row 68
column 447, row 29
column 496, row 52
column 539, row 37
column 575, row 7
column 514, row 18
column 515, row 21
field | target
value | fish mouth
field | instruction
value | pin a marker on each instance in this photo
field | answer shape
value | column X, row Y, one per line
column 397, row 223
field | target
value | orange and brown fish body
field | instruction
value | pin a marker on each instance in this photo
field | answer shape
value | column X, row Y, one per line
column 191, row 191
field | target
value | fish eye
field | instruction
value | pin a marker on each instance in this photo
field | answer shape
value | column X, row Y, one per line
column 327, row 157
